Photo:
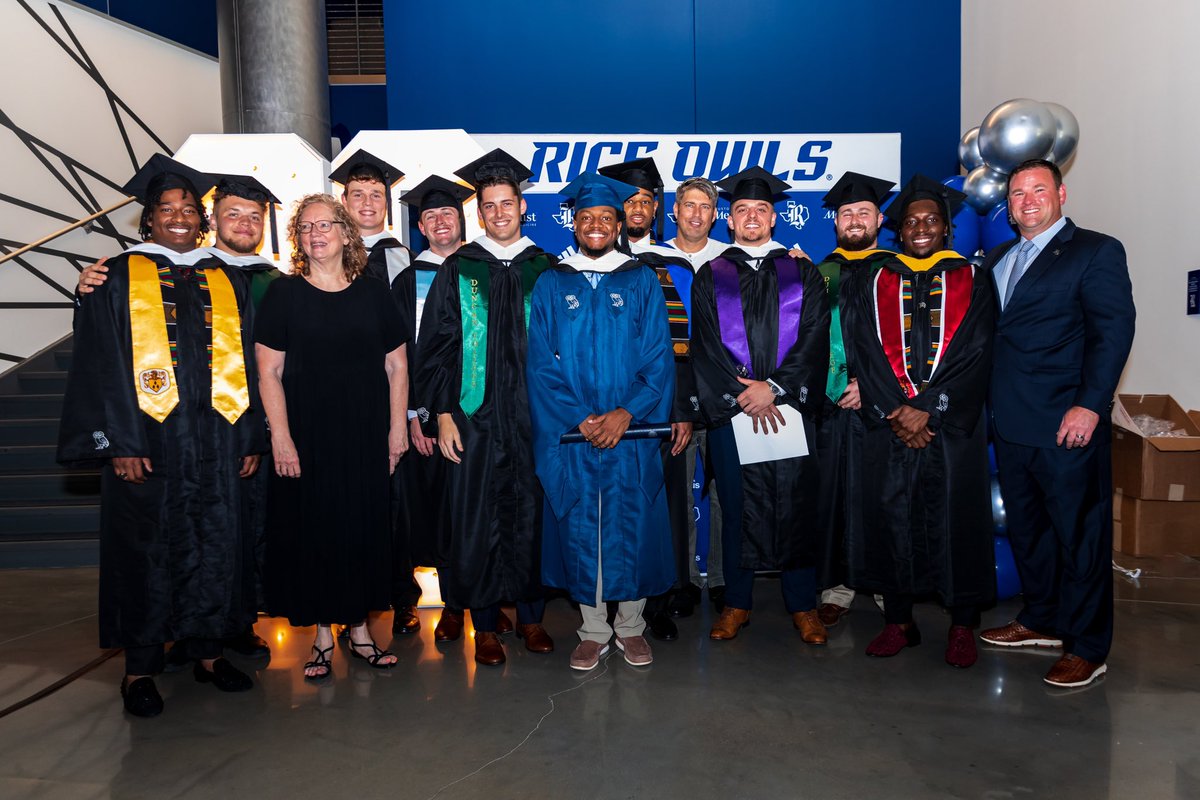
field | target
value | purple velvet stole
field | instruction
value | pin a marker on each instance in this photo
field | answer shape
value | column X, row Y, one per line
column 729, row 310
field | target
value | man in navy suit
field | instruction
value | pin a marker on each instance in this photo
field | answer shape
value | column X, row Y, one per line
column 1062, row 337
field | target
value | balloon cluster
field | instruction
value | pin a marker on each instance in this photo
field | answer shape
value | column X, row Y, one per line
column 1012, row 132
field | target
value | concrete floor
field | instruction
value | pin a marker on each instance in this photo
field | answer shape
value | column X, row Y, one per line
column 760, row 717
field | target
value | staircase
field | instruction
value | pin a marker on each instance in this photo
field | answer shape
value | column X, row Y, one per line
column 49, row 514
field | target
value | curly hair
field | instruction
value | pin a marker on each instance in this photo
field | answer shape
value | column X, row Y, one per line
column 154, row 195
column 354, row 256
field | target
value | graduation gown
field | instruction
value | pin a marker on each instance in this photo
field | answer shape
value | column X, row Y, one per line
column 492, row 546
column 387, row 259
column 927, row 523
column 840, row 430
column 779, row 519
column 174, row 560
column 592, row 350
column 422, row 511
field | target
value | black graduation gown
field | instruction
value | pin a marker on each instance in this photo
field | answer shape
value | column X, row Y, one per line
column 840, row 446
column 174, row 560
column 376, row 266
column 422, row 479
column 927, row 524
column 779, row 517
column 492, row 544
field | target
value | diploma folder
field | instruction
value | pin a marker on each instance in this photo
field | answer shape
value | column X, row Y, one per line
column 641, row 430
column 755, row 448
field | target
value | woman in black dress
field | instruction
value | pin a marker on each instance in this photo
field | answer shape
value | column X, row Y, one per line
column 334, row 381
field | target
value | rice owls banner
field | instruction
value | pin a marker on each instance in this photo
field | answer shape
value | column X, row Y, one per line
column 809, row 163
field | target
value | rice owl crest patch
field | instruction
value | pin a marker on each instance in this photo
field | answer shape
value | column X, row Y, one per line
column 154, row 381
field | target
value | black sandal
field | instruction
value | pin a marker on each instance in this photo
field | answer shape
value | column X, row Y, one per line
column 376, row 656
column 321, row 662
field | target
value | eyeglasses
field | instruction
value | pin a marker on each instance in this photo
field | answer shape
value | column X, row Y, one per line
column 323, row 225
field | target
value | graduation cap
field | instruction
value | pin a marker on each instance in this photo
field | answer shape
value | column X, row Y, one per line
column 496, row 164
column 161, row 173
column 250, row 188
column 754, row 183
column 437, row 192
column 642, row 173
column 592, row 189
column 854, row 187
column 922, row 188
column 362, row 165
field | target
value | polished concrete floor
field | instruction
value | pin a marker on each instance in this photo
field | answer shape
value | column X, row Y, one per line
column 760, row 717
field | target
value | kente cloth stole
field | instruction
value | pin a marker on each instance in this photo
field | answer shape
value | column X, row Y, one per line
column 474, row 282
column 733, row 324
column 676, row 314
column 949, row 298
column 155, row 355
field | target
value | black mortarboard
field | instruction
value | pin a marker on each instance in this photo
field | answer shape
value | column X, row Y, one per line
column 250, row 188
column 377, row 168
column 437, row 192
column 854, row 187
column 642, row 173
column 161, row 173
column 923, row 188
column 496, row 164
column 754, row 183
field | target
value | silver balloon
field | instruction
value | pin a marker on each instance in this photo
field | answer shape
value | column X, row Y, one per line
column 1067, row 136
column 968, row 150
column 1015, row 131
column 985, row 188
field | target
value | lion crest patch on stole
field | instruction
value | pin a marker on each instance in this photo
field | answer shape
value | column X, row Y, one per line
column 154, row 381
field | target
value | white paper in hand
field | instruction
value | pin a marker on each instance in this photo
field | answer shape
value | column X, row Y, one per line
column 754, row 448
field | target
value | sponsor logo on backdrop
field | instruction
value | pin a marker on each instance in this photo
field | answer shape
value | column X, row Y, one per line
column 796, row 215
column 566, row 217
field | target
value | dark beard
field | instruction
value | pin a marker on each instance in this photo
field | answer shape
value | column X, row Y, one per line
column 591, row 253
column 637, row 233
column 854, row 245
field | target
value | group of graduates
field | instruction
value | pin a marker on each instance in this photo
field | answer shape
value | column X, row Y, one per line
column 556, row 409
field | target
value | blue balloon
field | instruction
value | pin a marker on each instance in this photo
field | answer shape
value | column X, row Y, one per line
column 999, row 518
column 1008, row 583
column 992, row 468
column 995, row 228
column 966, row 223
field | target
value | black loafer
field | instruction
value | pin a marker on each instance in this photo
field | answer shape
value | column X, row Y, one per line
column 248, row 643
column 662, row 627
column 683, row 602
column 177, row 659
column 224, row 676
column 141, row 698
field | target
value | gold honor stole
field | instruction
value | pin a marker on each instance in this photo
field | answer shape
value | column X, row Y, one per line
column 949, row 298
column 474, row 284
column 153, row 375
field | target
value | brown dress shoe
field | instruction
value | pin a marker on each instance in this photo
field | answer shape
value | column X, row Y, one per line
column 449, row 627
column 536, row 638
column 488, row 649
column 504, row 624
column 831, row 614
column 1014, row 634
column 810, row 627
column 729, row 623
column 405, row 620
column 1071, row 671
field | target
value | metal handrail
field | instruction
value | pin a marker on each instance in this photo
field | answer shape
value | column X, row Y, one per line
column 67, row 229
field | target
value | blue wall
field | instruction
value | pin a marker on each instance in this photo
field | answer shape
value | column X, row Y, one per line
column 694, row 66
column 192, row 23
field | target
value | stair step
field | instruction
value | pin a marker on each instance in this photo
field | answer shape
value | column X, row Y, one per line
column 35, row 431
column 52, row 553
column 62, row 359
column 35, row 522
column 64, row 487
column 43, row 382
column 31, row 405
column 28, row 458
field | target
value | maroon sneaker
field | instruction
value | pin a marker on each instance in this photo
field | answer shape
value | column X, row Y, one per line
column 960, row 647
column 893, row 639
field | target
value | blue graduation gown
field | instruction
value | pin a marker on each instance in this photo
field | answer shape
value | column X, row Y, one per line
column 591, row 351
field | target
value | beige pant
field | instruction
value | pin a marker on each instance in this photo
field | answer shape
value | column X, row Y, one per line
column 595, row 625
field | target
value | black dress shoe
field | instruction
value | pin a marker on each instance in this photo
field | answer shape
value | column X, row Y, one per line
column 248, row 643
column 141, row 698
column 716, row 594
column 224, row 676
column 405, row 620
column 683, row 602
column 662, row 627
column 177, row 659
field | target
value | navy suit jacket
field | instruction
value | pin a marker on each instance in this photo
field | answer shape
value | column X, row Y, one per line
column 1063, row 339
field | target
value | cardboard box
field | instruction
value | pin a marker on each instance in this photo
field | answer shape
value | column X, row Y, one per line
column 1155, row 467
column 1155, row 527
